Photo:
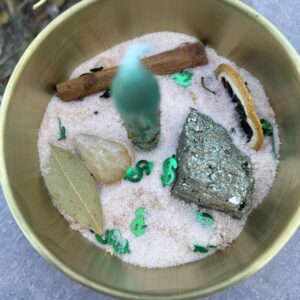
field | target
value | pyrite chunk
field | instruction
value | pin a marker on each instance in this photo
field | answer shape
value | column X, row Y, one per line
column 212, row 172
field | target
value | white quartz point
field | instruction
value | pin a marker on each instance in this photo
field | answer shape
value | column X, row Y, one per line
column 107, row 160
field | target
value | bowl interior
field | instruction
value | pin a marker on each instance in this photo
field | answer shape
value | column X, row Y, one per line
column 234, row 31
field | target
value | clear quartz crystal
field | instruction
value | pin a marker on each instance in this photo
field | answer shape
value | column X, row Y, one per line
column 107, row 160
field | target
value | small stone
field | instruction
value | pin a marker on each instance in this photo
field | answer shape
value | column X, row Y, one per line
column 107, row 160
column 212, row 172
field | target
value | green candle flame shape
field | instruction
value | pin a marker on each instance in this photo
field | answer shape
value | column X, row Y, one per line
column 136, row 95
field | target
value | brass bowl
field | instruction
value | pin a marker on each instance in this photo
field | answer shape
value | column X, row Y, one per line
column 235, row 31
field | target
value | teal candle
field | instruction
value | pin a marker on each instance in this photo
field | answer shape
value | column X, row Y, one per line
column 135, row 92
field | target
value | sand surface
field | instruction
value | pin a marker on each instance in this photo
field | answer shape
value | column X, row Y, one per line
column 172, row 226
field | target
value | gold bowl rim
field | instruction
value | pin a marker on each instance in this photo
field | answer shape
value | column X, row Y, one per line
column 290, row 228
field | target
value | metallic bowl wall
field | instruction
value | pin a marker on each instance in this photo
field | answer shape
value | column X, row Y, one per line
column 236, row 32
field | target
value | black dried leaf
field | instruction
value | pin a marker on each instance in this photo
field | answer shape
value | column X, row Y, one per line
column 96, row 69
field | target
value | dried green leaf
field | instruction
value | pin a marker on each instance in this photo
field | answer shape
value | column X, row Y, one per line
column 73, row 189
column 62, row 131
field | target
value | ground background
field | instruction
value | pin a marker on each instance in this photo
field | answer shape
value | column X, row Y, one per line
column 24, row 274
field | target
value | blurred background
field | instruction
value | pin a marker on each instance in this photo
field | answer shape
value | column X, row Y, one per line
column 19, row 24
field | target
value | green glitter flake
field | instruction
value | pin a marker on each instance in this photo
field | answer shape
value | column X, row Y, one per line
column 61, row 131
column 200, row 249
column 137, row 174
column 183, row 78
column 267, row 127
column 206, row 219
column 168, row 176
column 138, row 225
column 114, row 238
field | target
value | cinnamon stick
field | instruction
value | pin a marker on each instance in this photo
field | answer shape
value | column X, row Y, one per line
column 173, row 61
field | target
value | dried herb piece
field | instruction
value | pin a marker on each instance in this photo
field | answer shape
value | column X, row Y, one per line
column 73, row 190
column 62, row 131
column 267, row 127
column 106, row 94
column 246, row 84
column 96, row 69
column 205, row 87
column 96, row 112
column 92, row 71
column 212, row 246
column 200, row 249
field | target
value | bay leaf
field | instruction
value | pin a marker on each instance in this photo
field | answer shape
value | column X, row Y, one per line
column 73, row 189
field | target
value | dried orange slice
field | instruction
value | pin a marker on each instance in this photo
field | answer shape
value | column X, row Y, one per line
column 240, row 95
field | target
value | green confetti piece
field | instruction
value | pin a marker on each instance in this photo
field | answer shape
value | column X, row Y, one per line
column 114, row 238
column 200, row 249
column 138, row 225
column 206, row 219
column 120, row 248
column 169, row 176
column 102, row 240
column 133, row 176
column 137, row 174
column 183, row 78
column 146, row 166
